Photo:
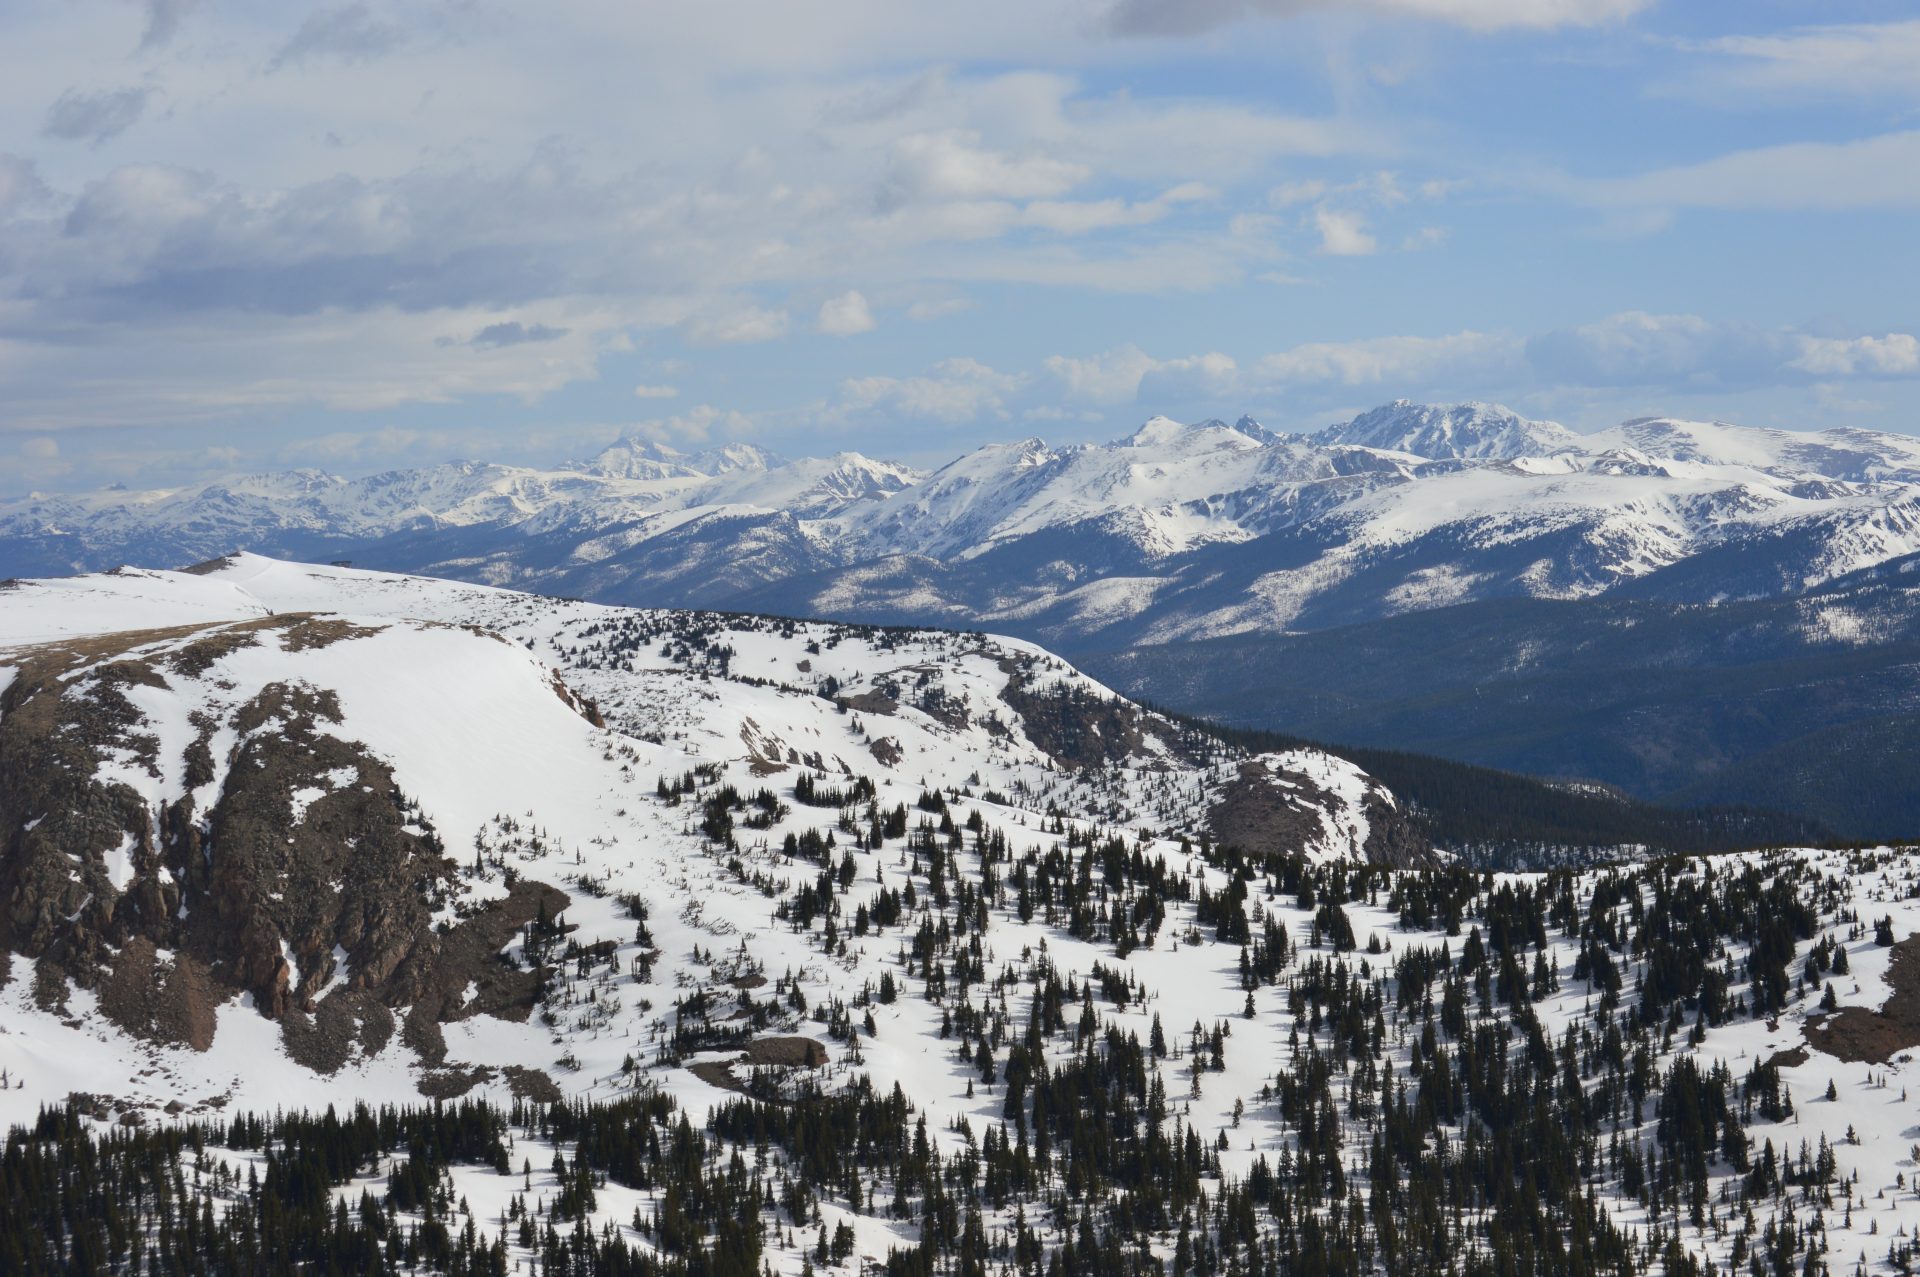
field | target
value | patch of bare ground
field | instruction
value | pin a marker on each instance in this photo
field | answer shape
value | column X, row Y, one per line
column 717, row 1073
column 1267, row 808
column 768, row 1060
column 1874, row 1037
column 1256, row 813
column 305, row 631
column 790, row 1052
column 871, row 703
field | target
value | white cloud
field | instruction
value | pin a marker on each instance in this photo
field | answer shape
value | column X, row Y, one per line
column 1896, row 354
column 1128, row 374
column 201, row 368
column 1077, row 217
column 655, row 392
column 1196, row 378
column 1342, row 213
column 1638, row 348
column 939, row 308
column 1288, row 194
column 845, row 315
column 954, row 390
column 777, row 188
column 1874, row 172
column 751, row 324
column 955, row 165
column 1343, row 234
column 406, row 213
column 1844, row 59
column 1109, row 378
column 1691, row 352
column 696, row 425
column 1374, row 360
column 1188, row 17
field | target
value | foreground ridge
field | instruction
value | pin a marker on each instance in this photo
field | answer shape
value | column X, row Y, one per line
column 735, row 943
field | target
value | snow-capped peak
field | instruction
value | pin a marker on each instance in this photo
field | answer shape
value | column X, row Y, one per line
column 732, row 458
column 638, row 458
column 1464, row 431
column 1162, row 431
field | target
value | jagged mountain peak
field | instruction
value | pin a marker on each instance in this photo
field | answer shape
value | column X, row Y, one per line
column 731, row 458
column 1440, row 432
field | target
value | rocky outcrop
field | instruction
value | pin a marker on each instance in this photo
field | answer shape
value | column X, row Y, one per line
column 1394, row 838
column 1072, row 725
column 308, row 880
column 1258, row 814
column 1271, row 809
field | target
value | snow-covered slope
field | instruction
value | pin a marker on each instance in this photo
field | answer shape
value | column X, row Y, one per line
column 1174, row 531
column 229, row 795
column 280, row 836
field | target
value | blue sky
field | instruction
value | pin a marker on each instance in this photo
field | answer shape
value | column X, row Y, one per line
column 356, row 236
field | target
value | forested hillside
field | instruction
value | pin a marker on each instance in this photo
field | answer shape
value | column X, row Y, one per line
column 1805, row 704
column 1497, row 819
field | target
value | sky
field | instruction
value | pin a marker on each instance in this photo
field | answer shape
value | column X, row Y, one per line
column 237, row 236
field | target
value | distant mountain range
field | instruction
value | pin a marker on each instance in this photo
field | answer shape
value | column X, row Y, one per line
column 1344, row 566
column 1174, row 532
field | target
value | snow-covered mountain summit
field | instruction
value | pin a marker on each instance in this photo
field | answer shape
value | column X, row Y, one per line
column 1465, row 432
column 637, row 458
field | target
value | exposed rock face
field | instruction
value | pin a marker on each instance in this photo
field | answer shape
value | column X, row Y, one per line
column 308, row 880
column 1078, row 729
column 1858, row 1034
column 63, row 825
column 1271, row 809
column 789, row 1052
column 1266, row 808
column 1257, row 815
column 353, row 875
column 1393, row 838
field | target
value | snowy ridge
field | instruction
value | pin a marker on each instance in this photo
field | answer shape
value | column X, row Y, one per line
column 483, row 747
